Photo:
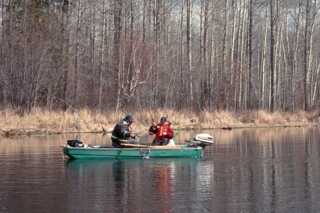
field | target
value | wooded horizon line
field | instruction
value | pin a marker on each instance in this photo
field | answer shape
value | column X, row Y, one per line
column 200, row 55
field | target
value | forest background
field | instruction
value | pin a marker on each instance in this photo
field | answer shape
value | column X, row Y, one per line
column 211, row 63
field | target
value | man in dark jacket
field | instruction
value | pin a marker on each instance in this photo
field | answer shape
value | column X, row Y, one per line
column 122, row 132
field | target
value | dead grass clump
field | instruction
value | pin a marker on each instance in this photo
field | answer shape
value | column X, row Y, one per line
column 263, row 117
column 300, row 116
column 179, row 119
column 218, row 119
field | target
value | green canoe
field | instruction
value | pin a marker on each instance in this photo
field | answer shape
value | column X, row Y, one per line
column 76, row 149
column 178, row 151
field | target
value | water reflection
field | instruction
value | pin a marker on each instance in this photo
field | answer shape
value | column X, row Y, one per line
column 130, row 185
column 275, row 170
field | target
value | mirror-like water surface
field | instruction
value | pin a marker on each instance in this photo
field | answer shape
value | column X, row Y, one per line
column 266, row 170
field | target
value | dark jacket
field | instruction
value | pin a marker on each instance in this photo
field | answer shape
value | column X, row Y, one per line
column 120, row 132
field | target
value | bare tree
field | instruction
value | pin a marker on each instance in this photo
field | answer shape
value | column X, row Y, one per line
column 199, row 55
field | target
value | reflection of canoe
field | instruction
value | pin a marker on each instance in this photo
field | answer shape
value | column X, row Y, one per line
column 179, row 151
column 129, row 162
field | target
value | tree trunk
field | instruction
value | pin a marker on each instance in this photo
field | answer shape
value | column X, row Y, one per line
column 189, row 53
column 76, row 61
column 271, row 106
column 250, row 88
column 116, row 90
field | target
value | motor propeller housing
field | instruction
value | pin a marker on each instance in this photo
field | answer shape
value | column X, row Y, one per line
column 202, row 140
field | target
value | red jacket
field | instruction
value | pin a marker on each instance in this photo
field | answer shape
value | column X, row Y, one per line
column 162, row 130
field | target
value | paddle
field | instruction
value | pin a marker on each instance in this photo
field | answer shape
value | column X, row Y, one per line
column 132, row 142
column 129, row 145
column 144, row 139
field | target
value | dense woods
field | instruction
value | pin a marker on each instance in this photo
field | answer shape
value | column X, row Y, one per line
column 234, row 55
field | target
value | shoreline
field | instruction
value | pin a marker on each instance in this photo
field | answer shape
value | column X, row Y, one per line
column 44, row 122
column 38, row 132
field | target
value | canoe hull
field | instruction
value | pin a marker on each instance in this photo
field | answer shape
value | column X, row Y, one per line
column 118, row 153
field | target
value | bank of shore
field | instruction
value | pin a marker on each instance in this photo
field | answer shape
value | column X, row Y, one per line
column 40, row 121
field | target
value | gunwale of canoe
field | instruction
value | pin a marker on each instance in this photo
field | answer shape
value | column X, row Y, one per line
column 136, row 152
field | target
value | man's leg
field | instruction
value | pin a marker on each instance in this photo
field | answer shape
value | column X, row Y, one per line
column 116, row 143
column 165, row 141
column 156, row 142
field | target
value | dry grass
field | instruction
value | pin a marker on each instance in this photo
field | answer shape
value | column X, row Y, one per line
column 85, row 120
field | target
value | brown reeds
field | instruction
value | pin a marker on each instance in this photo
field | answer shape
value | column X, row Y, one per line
column 40, row 121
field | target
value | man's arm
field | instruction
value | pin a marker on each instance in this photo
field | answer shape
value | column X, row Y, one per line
column 153, row 129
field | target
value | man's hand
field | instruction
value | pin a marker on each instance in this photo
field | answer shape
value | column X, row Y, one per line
column 133, row 135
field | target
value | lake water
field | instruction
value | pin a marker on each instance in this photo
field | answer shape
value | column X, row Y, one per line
column 264, row 170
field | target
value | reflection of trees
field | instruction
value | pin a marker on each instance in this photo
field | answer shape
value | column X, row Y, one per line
column 276, row 169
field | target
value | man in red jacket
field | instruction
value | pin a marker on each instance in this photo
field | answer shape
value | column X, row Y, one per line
column 163, row 132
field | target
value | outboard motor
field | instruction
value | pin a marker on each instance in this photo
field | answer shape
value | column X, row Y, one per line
column 201, row 140
column 75, row 143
